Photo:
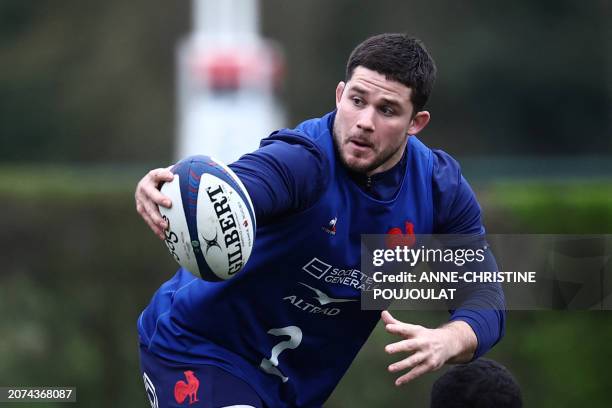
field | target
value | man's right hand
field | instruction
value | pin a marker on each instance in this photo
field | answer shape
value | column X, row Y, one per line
column 148, row 197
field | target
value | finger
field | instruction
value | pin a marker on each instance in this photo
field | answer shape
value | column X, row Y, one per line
column 154, row 214
column 412, row 374
column 151, row 193
column 148, row 188
column 403, row 329
column 408, row 346
column 155, row 228
column 409, row 362
column 163, row 174
column 387, row 318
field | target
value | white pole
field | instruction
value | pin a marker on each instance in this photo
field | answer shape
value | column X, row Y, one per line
column 226, row 20
column 227, row 77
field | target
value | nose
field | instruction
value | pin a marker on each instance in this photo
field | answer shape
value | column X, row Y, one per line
column 365, row 121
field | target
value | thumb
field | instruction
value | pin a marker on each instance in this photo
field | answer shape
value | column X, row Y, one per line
column 387, row 318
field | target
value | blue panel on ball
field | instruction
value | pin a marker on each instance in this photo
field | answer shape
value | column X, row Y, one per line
column 208, row 165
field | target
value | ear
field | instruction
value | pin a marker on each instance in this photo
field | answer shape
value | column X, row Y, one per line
column 418, row 123
column 339, row 91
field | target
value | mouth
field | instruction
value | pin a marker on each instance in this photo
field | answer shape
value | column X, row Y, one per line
column 360, row 144
column 359, row 148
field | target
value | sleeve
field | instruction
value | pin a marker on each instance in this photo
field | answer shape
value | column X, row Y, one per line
column 456, row 211
column 286, row 175
column 482, row 306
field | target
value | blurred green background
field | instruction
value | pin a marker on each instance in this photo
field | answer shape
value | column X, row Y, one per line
column 523, row 99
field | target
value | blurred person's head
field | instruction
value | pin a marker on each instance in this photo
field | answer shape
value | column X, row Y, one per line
column 482, row 383
column 389, row 78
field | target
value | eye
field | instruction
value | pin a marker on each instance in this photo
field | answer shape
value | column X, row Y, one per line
column 387, row 110
column 357, row 101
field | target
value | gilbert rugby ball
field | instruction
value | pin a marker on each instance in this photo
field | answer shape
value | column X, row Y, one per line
column 211, row 224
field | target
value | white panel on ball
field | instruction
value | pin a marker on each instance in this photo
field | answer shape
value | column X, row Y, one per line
column 177, row 234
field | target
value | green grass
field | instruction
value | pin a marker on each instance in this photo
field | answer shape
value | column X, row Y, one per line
column 68, row 181
column 575, row 206
column 575, row 193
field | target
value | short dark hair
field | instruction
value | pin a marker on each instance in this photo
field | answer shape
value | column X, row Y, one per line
column 400, row 58
column 482, row 383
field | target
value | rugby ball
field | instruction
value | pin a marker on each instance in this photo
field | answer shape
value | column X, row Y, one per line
column 211, row 224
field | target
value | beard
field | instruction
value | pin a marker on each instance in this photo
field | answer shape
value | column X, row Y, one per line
column 356, row 165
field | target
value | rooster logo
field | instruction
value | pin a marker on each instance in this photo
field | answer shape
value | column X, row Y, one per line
column 331, row 226
column 183, row 389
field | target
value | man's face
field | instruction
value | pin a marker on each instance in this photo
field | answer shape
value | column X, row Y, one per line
column 373, row 120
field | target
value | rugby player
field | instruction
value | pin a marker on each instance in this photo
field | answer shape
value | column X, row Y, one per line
column 283, row 332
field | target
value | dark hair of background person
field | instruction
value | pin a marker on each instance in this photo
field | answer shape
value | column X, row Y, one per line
column 482, row 383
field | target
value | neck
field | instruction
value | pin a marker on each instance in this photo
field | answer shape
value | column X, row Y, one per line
column 390, row 162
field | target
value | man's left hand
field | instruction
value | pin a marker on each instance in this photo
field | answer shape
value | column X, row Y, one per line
column 454, row 342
